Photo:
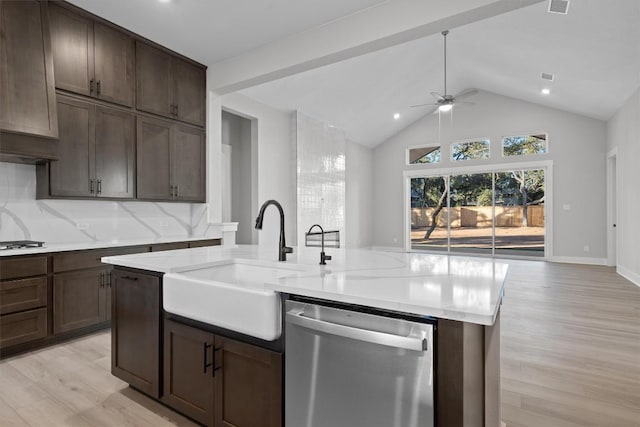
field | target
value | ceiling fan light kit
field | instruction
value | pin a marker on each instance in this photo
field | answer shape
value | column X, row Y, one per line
column 445, row 103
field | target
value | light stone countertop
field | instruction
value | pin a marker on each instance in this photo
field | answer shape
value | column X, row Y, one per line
column 466, row 289
column 63, row 247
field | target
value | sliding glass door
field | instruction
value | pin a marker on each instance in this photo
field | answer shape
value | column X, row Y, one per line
column 489, row 213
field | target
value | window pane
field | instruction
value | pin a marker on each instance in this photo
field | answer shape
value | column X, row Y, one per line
column 524, row 145
column 424, row 155
column 471, row 213
column 470, row 150
column 429, row 213
column 520, row 213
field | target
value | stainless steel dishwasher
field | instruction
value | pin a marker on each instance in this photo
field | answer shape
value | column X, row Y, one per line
column 347, row 368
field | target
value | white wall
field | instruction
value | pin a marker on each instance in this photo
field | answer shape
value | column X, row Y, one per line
column 272, row 158
column 236, row 133
column 577, row 147
column 623, row 133
column 359, row 196
column 22, row 217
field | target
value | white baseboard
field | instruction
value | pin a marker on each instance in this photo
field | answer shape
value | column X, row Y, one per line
column 579, row 260
column 629, row 275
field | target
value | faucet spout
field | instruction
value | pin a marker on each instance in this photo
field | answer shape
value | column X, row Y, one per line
column 323, row 257
column 283, row 249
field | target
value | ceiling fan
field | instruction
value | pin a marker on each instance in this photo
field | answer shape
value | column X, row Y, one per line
column 446, row 102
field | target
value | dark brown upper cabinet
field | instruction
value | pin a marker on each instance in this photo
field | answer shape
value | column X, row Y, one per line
column 27, row 93
column 169, row 86
column 96, row 153
column 170, row 161
column 91, row 58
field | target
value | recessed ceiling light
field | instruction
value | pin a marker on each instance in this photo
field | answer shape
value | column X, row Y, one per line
column 445, row 107
column 396, row 116
column 164, row 1
column 545, row 91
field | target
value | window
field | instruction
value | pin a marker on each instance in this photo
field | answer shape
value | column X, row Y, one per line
column 524, row 145
column 469, row 150
column 428, row 154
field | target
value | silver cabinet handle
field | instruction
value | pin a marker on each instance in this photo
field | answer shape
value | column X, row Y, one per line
column 374, row 337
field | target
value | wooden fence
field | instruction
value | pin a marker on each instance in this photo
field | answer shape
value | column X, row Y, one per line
column 479, row 216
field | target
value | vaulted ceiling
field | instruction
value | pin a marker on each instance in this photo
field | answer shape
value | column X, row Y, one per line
column 593, row 52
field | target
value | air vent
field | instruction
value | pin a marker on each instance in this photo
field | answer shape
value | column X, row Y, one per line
column 559, row 6
column 547, row 76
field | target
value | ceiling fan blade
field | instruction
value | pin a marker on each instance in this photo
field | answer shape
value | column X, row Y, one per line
column 424, row 105
column 466, row 94
column 437, row 96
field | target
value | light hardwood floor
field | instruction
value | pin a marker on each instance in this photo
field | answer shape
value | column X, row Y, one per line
column 570, row 347
column 570, row 357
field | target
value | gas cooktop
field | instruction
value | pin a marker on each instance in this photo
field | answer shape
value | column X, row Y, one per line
column 18, row 244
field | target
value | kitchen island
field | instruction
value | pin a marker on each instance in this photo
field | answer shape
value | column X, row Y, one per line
column 460, row 295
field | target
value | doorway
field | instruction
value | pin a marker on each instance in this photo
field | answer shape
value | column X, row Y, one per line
column 612, row 208
column 239, row 175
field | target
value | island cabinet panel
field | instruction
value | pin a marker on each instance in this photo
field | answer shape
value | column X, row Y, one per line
column 79, row 299
column 248, row 385
column 97, row 153
column 169, row 86
column 136, row 330
column 189, row 371
column 90, row 58
column 27, row 92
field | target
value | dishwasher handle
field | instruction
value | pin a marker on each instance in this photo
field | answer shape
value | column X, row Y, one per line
column 374, row 337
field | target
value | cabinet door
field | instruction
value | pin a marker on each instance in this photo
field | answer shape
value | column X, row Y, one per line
column 188, row 153
column 72, row 175
column 113, row 65
column 72, row 44
column 78, row 299
column 114, row 153
column 248, row 385
column 189, row 91
column 27, row 92
column 189, row 371
column 154, row 83
column 135, row 330
column 153, row 159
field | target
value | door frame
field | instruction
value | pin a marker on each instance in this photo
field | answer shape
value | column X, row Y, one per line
column 612, row 206
column 546, row 165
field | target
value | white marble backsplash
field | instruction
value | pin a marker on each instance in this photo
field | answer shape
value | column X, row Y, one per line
column 78, row 221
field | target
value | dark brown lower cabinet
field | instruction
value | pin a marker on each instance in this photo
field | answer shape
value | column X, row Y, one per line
column 135, row 330
column 18, row 328
column 221, row 382
column 248, row 385
column 79, row 299
column 189, row 371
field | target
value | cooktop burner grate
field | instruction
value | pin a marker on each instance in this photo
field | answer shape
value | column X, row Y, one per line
column 17, row 244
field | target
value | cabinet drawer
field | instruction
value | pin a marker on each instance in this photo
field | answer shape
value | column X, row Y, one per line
column 201, row 243
column 19, row 295
column 18, row 267
column 23, row 327
column 80, row 260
